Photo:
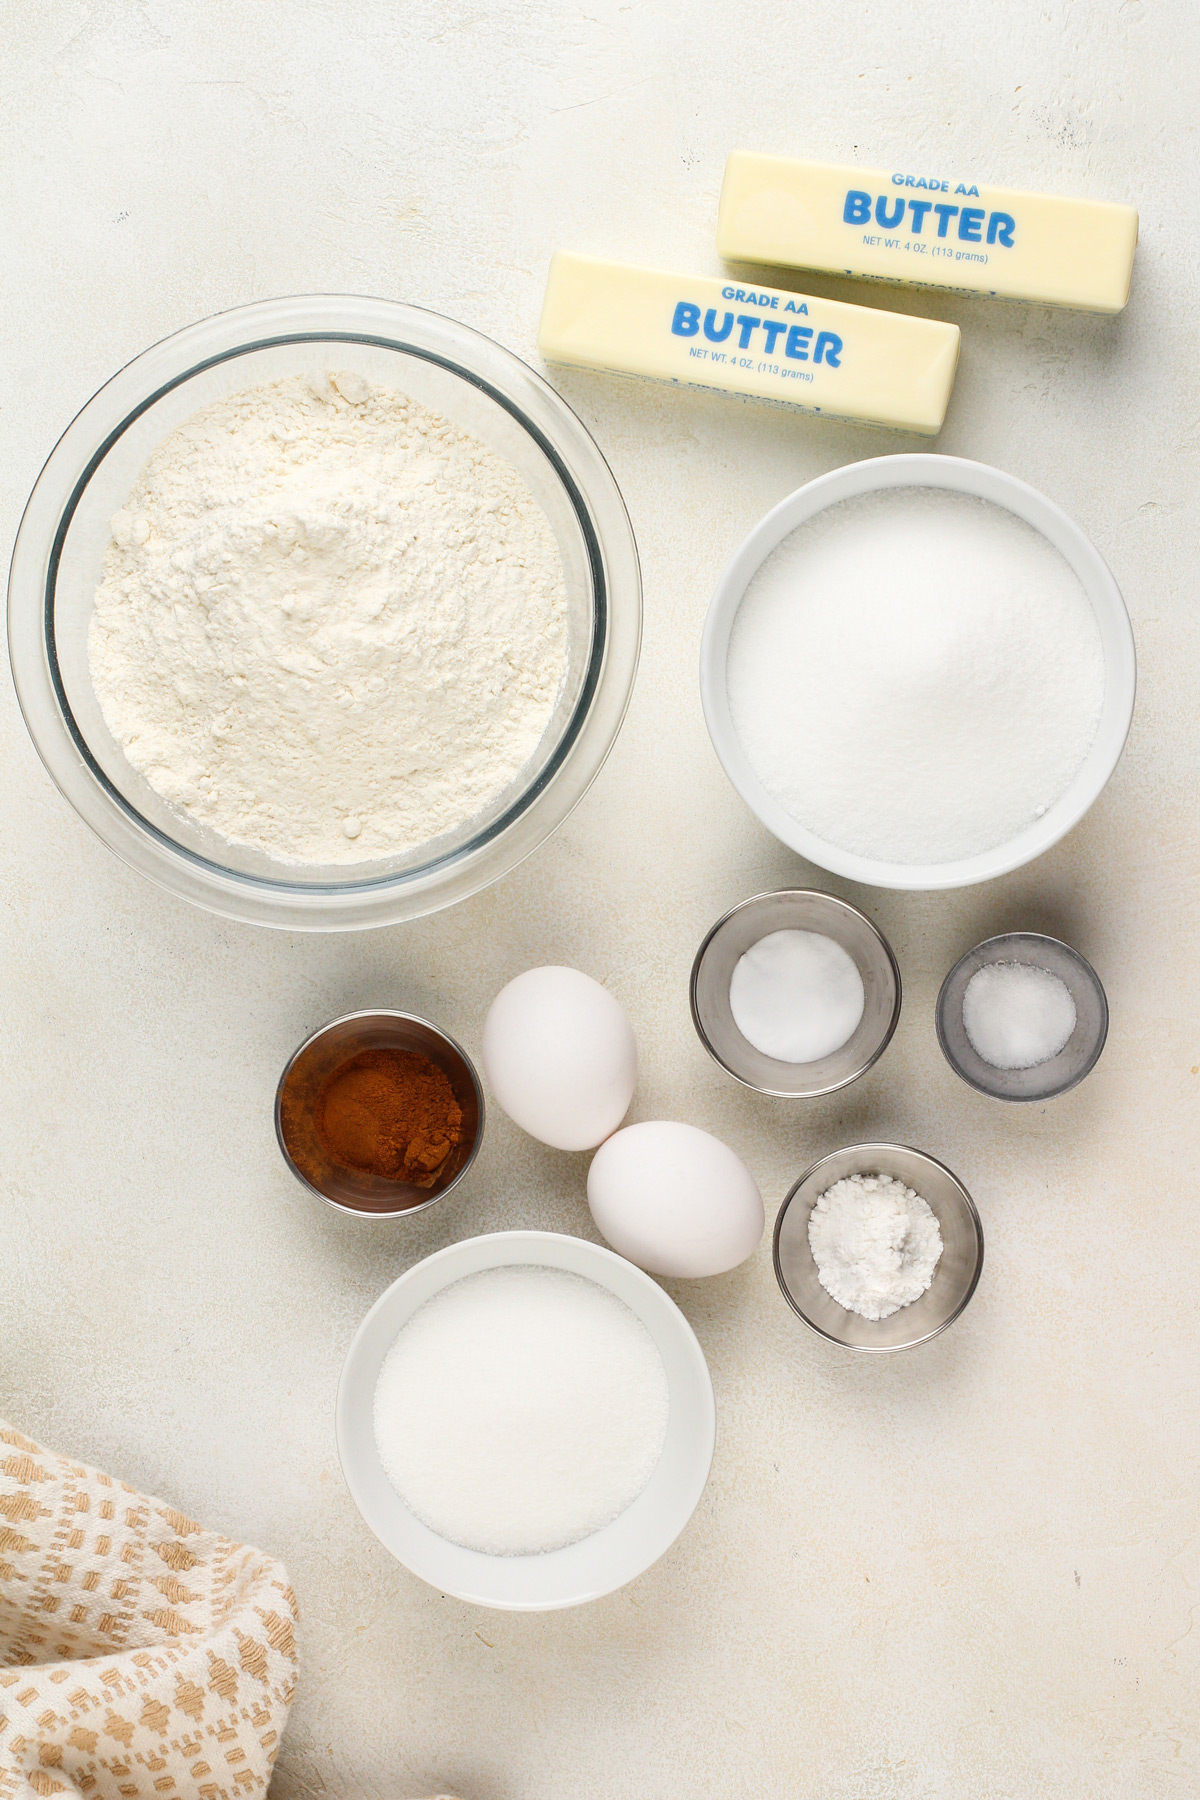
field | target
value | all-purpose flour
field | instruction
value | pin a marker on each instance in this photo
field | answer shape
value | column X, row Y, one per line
column 332, row 625
column 915, row 675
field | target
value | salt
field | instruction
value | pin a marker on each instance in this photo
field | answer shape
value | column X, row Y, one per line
column 520, row 1410
column 916, row 675
column 1017, row 1016
column 796, row 996
column 876, row 1244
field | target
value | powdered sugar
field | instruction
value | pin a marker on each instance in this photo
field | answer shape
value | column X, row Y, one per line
column 332, row 626
column 915, row 675
column 876, row 1244
column 520, row 1410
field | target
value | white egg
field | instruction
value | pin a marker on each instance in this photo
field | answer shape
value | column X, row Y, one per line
column 675, row 1200
column 560, row 1057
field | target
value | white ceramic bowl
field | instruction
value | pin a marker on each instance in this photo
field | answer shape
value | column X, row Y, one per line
column 961, row 476
column 597, row 1564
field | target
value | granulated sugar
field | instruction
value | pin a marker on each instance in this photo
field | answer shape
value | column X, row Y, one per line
column 915, row 675
column 876, row 1244
column 520, row 1410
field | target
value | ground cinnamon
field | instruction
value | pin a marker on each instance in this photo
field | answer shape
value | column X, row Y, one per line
column 392, row 1113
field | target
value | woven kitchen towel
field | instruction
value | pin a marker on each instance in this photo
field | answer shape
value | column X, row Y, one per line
column 141, row 1657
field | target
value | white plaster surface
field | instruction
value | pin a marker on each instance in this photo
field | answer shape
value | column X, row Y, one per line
column 972, row 1571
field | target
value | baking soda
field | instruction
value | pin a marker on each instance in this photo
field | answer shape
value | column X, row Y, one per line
column 520, row 1410
column 915, row 675
column 796, row 996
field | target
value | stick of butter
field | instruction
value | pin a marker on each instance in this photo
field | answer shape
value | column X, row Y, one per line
column 848, row 362
column 927, row 231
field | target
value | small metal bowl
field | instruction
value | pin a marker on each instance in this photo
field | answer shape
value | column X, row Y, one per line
column 954, row 1279
column 357, row 1191
column 794, row 909
column 1079, row 1054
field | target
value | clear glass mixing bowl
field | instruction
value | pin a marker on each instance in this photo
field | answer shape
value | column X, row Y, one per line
column 65, row 529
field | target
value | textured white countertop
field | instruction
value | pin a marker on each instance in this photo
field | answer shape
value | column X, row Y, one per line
column 972, row 1571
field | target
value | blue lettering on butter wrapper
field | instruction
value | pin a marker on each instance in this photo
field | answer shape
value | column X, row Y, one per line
column 797, row 339
column 859, row 208
column 933, row 182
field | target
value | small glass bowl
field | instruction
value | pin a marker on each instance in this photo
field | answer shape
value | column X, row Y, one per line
column 794, row 909
column 1078, row 1056
column 357, row 1191
column 59, row 552
column 954, row 1279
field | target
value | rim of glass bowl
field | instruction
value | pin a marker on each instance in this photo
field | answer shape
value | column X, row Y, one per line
column 616, row 625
